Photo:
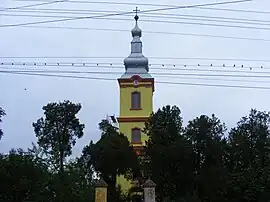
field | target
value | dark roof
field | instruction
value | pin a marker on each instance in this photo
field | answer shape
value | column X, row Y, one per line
column 101, row 183
column 149, row 183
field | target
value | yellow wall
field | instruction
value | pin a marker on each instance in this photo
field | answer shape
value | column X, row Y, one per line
column 126, row 128
column 146, row 102
column 146, row 92
column 101, row 194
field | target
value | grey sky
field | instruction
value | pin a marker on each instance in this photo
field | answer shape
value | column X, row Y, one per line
column 100, row 98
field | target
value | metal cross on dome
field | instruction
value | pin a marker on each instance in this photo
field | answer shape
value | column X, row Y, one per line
column 136, row 11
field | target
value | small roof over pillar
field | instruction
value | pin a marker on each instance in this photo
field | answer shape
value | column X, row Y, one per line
column 149, row 183
column 101, row 183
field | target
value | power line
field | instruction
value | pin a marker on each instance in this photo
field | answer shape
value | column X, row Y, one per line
column 116, row 14
column 159, row 5
column 147, row 32
column 172, row 33
column 33, row 5
column 63, row 20
column 111, row 3
column 157, row 21
column 101, row 17
column 161, row 82
column 150, row 57
column 120, row 66
column 236, row 10
column 131, row 4
column 192, row 23
column 163, row 76
column 163, row 15
column 153, row 73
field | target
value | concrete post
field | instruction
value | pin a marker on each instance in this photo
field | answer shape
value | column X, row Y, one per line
column 101, row 191
column 149, row 191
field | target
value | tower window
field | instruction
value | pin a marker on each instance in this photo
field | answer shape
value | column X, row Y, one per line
column 136, row 135
column 136, row 100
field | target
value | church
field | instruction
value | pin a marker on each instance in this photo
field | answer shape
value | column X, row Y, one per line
column 136, row 97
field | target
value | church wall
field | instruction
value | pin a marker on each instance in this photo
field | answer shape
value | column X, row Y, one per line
column 135, row 79
column 126, row 127
column 146, row 102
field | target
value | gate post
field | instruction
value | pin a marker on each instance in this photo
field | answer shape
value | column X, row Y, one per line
column 101, row 191
column 149, row 191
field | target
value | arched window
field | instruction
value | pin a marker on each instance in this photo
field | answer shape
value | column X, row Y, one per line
column 136, row 135
column 136, row 100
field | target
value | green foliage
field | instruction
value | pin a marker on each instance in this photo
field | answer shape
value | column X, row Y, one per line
column 58, row 131
column 78, row 183
column 184, row 161
column 196, row 163
column 110, row 156
column 249, row 158
column 2, row 113
column 206, row 135
column 249, row 141
column 22, row 178
column 164, row 126
column 120, row 196
column 27, row 179
column 170, row 155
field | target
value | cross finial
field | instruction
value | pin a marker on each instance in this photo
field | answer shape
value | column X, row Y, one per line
column 136, row 16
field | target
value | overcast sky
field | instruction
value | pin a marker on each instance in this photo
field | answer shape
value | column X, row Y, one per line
column 100, row 97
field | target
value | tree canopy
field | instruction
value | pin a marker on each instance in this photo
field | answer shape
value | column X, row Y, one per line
column 2, row 113
column 110, row 156
column 24, row 179
column 57, row 132
column 199, row 162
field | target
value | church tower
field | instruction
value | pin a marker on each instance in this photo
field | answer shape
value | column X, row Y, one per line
column 136, row 95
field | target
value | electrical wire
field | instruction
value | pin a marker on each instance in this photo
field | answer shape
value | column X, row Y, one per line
column 155, row 21
column 156, row 14
column 33, row 5
column 117, row 14
column 152, row 32
column 147, row 32
column 163, row 76
column 104, row 17
column 150, row 57
column 236, row 10
column 63, row 20
column 125, row 3
column 161, row 82
column 153, row 73
column 8, row 65
column 159, row 5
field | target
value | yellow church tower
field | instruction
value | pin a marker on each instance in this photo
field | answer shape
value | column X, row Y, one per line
column 136, row 96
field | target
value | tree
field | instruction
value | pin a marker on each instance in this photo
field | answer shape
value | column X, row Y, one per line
column 249, row 158
column 78, row 184
column 210, row 148
column 2, row 113
column 164, row 126
column 250, row 140
column 169, row 153
column 58, row 131
column 112, row 155
column 23, row 178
